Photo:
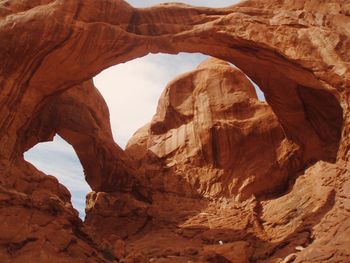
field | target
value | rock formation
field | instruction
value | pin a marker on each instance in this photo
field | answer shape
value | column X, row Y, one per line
column 212, row 132
column 217, row 176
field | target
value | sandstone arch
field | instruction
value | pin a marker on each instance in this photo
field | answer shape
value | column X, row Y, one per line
column 296, row 51
column 80, row 116
column 78, row 38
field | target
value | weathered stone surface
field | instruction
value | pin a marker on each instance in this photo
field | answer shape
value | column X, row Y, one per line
column 239, row 252
column 296, row 51
column 212, row 136
column 38, row 222
column 80, row 116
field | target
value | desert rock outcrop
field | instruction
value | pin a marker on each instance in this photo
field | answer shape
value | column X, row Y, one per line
column 80, row 116
column 213, row 134
column 146, row 205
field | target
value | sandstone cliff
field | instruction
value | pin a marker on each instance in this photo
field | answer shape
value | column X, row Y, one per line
column 217, row 176
column 213, row 135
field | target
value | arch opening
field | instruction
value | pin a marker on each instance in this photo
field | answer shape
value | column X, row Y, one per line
column 305, row 126
column 58, row 158
column 132, row 89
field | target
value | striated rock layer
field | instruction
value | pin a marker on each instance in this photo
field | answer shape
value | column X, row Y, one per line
column 213, row 135
column 217, row 176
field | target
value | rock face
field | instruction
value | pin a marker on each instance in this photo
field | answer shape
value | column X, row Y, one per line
column 81, row 117
column 216, row 170
column 212, row 136
column 38, row 222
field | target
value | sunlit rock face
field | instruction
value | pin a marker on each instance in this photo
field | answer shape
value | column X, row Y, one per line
column 212, row 136
column 216, row 170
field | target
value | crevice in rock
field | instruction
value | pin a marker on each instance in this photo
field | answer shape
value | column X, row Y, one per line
column 12, row 248
column 323, row 112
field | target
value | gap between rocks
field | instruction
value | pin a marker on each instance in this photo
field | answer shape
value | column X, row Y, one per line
column 132, row 89
column 59, row 159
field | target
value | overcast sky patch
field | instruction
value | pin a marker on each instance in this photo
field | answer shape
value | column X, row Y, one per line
column 59, row 159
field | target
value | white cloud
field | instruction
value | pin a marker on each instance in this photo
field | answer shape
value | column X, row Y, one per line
column 207, row 3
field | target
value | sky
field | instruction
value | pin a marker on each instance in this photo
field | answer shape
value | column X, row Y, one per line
column 58, row 158
column 131, row 91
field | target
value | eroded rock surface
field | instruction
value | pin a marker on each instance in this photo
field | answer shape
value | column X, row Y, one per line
column 182, row 192
column 212, row 136
column 80, row 116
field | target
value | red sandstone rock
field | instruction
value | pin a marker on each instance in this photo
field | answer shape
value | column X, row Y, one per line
column 80, row 116
column 239, row 252
column 212, row 136
column 296, row 51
